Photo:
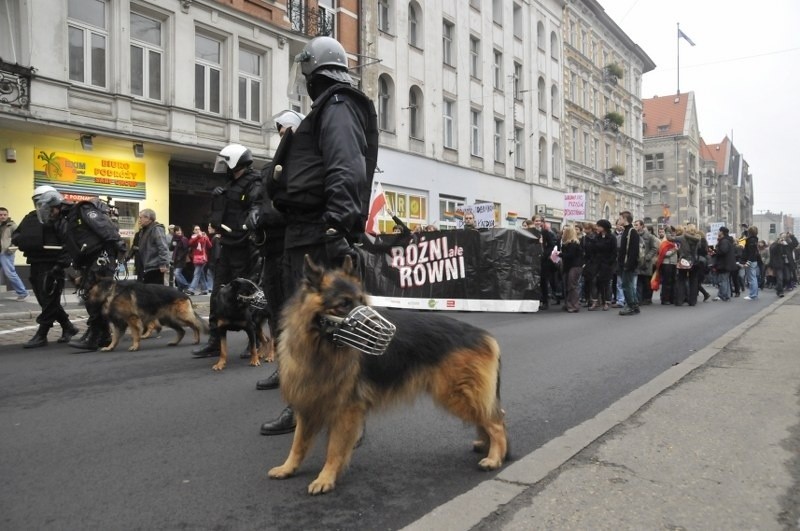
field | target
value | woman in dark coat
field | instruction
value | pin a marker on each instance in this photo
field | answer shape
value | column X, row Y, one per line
column 604, row 256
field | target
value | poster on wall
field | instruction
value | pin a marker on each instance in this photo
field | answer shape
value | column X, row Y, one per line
column 81, row 175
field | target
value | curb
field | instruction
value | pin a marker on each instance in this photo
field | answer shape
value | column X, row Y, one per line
column 474, row 506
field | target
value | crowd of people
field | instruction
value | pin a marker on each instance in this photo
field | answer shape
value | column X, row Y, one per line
column 600, row 265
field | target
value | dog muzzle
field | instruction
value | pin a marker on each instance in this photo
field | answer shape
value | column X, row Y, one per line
column 256, row 301
column 363, row 329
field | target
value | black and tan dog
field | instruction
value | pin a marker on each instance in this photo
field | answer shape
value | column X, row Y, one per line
column 240, row 306
column 333, row 387
column 131, row 304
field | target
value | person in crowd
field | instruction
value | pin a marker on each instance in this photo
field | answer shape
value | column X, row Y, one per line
column 571, row 254
column 213, row 256
column 92, row 240
column 752, row 258
column 7, row 253
column 42, row 248
column 738, row 276
column 763, row 252
column 181, row 259
column 666, row 266
column 199, row 250
column 628, row 261
column 234, row 214
column 548, row 269
column 616, row 281
column 153, row 248
column 333, row 156
column 703, row 260
column 588, row 295
column 690, row 243
column 791, row 243
column 271, row 239
column 725, row 263
column 778, row 262
column 430, row 228
column 648, row 252
column 604, row 256
column 469, row 221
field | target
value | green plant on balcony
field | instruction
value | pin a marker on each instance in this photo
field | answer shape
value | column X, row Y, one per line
column 615, row 118
column 614, row 69
column 617, row 170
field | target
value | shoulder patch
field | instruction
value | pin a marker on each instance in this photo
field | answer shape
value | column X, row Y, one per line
column 92, row 214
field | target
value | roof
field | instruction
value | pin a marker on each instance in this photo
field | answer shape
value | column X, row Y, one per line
column 718, row 153
column 665, row 115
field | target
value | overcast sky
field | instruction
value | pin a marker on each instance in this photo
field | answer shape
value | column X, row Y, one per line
column 744, row 71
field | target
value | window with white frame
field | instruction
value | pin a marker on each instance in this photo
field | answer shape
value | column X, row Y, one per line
column 519, row 153
column 575, row 143
column 447, row 42
column 383, row 15
column 554, row 53
column 475, row 3
column 249, row 85
column 87, row 27
column 573, row 86
column 207, row 73
column 517, row 80
column 595, row 153
column 413, row 24
column 448, row 206
column 385, row 89
column 497, row 70
column 410, row 207
column 607, row 160
column 475, row 57
column 517, row 20
column 448, row 123
column 497, row 11
column 326, row 21
column 543, row 157
column 654, row 161
column 147, row 52
column 587, row 146
column 499, row 150
column 540, row 35
column 556, row 162
column 554, row 101
column 415, row 116
column 542, row 95
column 475, row 132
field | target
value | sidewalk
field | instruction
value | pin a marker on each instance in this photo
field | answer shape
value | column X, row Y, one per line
column 712, row 443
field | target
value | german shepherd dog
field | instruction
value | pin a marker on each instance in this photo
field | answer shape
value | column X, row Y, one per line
column 333, row 387
column 237, row 309
column 129, row 303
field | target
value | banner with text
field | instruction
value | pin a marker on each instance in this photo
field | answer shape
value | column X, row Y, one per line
column 493, row 270
column 483, row 212
column 575, row 206
column 79, row 174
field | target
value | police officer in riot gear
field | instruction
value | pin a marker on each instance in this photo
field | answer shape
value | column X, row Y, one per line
column 326, row 179
column 234, row 214
column 42, row 248
column 92, row 240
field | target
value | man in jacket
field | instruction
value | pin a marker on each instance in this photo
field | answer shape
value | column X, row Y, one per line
column 153, row 248
column 234, row 214
column 725, row 262
column 330, row 163
column 628, row 262
column 778, row 258
column 7, row 252
column 644, row 272
column 43, row 251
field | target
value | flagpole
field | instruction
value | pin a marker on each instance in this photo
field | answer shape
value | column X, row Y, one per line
column 678, row 36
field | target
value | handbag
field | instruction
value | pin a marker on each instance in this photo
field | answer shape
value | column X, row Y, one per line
column 684, row 263
column 554, row 257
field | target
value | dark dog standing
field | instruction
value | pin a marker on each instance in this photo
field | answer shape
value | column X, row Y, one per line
column 239, row 307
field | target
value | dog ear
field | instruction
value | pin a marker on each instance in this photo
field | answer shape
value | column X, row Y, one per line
column 347, row 267
column 312, row 272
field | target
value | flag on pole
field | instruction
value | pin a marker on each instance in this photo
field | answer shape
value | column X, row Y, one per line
column 377, row 204
column 682, row 34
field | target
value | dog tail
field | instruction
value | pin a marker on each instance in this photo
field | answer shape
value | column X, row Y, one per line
column 201, row 323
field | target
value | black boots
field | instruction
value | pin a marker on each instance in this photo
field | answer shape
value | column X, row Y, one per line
column 271, row 382
column 285, row 423
column 68, row 330
column 39, row 339
column 209, row 349
column 92, row 340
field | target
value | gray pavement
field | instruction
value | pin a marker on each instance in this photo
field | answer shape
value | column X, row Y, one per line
column 712, row 443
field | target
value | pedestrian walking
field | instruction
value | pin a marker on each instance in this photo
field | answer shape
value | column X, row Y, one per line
column 7, row 253
column 154, row 252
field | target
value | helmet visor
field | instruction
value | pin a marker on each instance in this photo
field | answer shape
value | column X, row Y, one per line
column 222, row 164
column 297, row 83
column 42, row 211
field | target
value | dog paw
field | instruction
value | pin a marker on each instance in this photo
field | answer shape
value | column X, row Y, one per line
column 106, row 349
column 256, row 363
column 218, row 366
column 133, row 348
column 321, row 486
column 280, row 472
column 489, row 464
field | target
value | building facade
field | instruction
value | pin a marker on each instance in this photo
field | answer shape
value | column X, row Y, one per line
column 602, row 131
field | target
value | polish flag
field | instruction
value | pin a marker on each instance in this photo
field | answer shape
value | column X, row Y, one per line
column 375, row 206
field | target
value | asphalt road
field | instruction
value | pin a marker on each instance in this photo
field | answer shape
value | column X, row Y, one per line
column 157, row 440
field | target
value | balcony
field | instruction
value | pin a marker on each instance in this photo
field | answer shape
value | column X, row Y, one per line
column 612, row 121
column 311, row 21
column 15, row 84
column 612, row 73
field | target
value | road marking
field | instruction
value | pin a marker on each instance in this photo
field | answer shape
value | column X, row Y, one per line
column 24, row 328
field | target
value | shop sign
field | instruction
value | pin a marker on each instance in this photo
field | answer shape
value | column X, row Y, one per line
column 79, row 174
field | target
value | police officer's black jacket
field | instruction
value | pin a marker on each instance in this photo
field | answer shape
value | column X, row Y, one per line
column 240, row 199
column 32, row 236
column 327, row 175
column 86, row 230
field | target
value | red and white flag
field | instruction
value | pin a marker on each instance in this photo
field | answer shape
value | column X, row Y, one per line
column 376, row 204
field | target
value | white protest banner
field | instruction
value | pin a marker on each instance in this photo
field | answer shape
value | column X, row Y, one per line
column 483, row 212
column 575, row 206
